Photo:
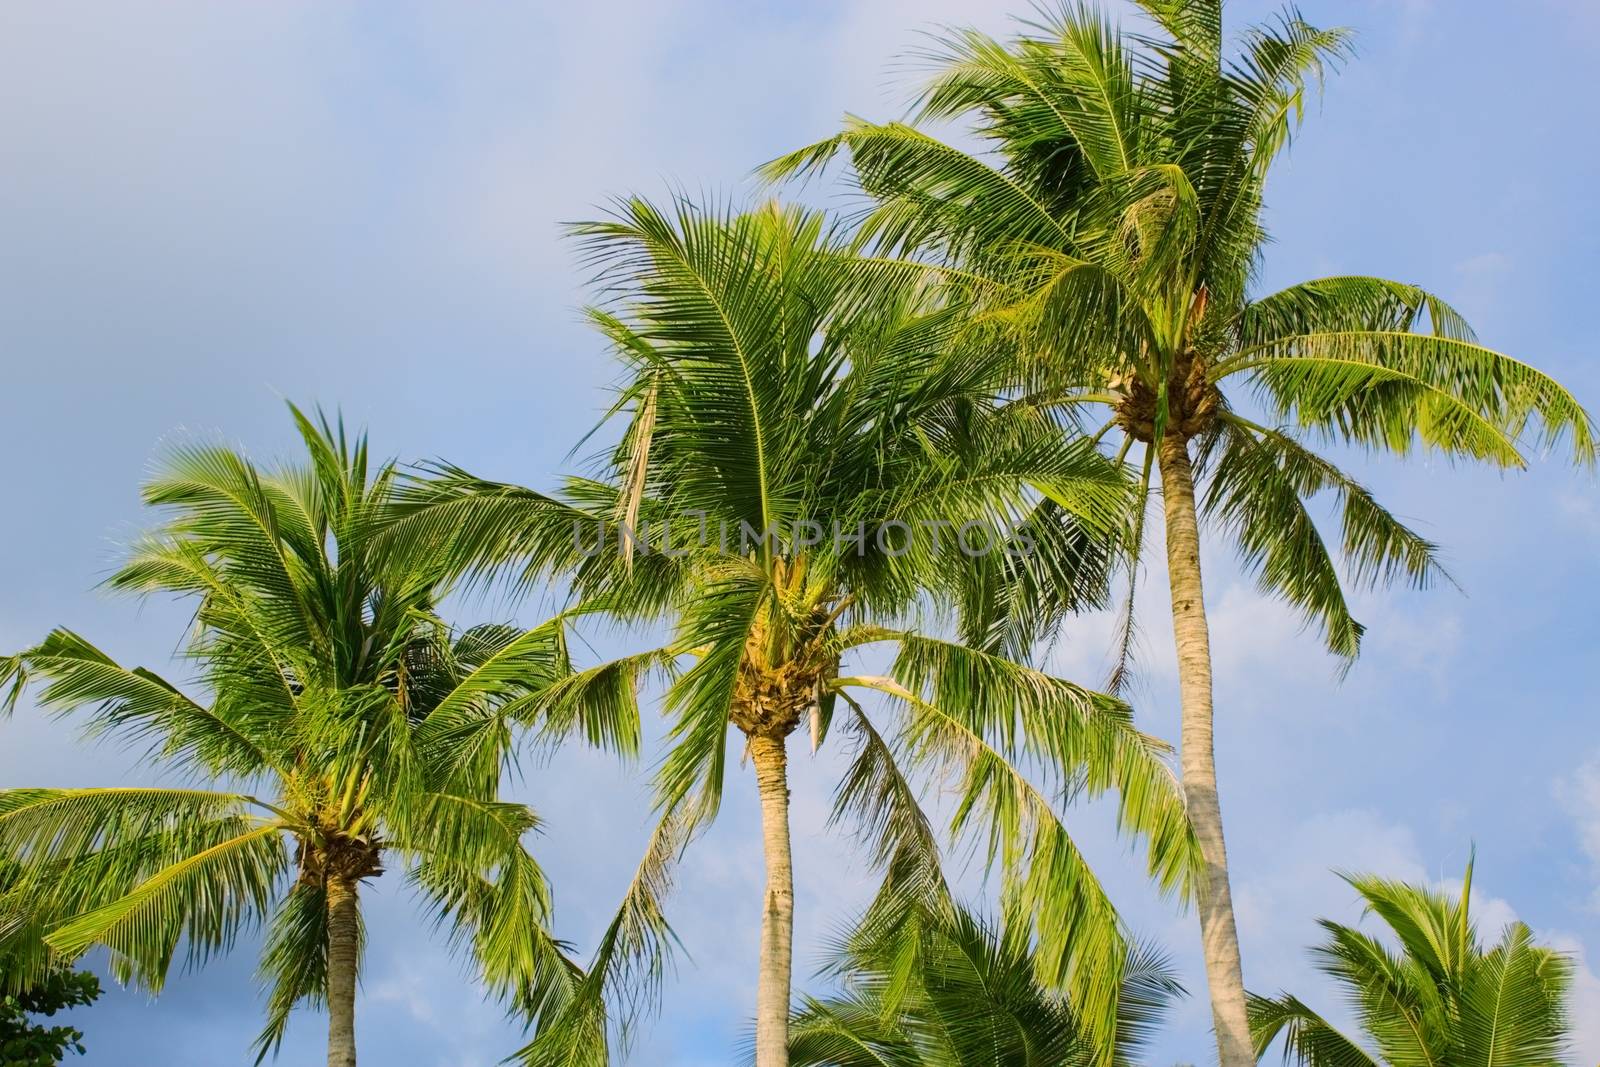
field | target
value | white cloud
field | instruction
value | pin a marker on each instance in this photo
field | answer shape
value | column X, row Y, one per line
column 1585, row 998
column 1579, row 795
column 1277, row 908
column 408, row 988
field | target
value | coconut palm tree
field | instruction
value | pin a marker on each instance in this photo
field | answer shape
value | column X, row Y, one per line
column 338, row 726
column 922, row 981
column 1112, row 221
column 1441, row 998
column 973, row 1001
column 807, row 467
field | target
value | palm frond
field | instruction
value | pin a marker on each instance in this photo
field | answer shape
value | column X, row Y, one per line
column 1255, row 495
column 628, row 965
column 1391, row 388
column 1047, row 886
column 1436, row 998
column 1308, row 1040
column 140, row 706
column 1079, row 739
column 294, row 962
column 203, row 900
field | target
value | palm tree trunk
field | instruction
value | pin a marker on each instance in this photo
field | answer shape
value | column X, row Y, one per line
column 777, row 919
column 1219, row 936
column 344, row 934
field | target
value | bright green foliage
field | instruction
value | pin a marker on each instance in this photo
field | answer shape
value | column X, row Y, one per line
column 942, row 988
column 345, row 725
column 1434, row 996
column 772, row 378
column 1113, row 226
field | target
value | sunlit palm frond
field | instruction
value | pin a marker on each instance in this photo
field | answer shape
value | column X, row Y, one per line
column 1391, row 388
column 294, row 962
column 1080, row 739
column 1047, row 886
column 1073, row 87
column 628, row 965
column 720, row 621
column 137, row 705
column 203, row 901
column 1439, row 998
column 953, row 990
column 1308, row 1039
column 1260, row 503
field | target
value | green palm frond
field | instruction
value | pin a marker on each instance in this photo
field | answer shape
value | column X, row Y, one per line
column 701, row 287
column 204, row 900
column 1308, row 1040
column 1376, row 546
column 220, row 499
column 1047, row 886
column 882, row 803
column 1349, row 302
column 1390, row 387
column 1195, row 26
column 478, row 692
column 1260, row 502
column 13, row 679
column 1515, row 1008
column 720, row 621
column 601, row 703
column 510, row 667
column 139, row 705
column 294, row 962
column 473, row 524
column 1440, row 997
column 498, row 911
column 51, row 825
column 1085, row 739
column 1279, row 61
column 953, row 990
column 1080, row 91
column 627, row 968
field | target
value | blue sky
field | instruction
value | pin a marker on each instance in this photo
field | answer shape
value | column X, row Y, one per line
column 208, row 208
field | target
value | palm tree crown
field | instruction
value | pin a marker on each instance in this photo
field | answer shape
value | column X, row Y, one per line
column 937, row 986
column 776, row 385
column 349, row 726
column 1116, row 226
column 1442, row 998
column 1113, row 229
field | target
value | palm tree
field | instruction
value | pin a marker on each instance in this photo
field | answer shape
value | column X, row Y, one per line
column 793, row 420
column 1441, row 998
column 346, row 727
column 954, row 991
column 1114, row 226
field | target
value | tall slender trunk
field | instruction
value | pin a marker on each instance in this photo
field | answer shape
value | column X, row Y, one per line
column 777, row 917
column 1219, row 936
column 344, row 935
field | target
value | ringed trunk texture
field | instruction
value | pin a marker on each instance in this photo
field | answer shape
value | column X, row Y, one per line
column 777, row 919
column 1219, row 936
column 344, row 931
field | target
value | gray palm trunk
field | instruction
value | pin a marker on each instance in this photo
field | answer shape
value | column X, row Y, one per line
column 1219, row 936
column 777, row 917
column 344, row 923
